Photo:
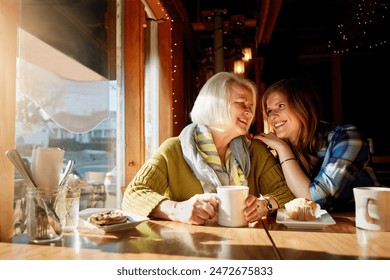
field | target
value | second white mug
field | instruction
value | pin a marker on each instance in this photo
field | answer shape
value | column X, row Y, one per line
column 372, row 208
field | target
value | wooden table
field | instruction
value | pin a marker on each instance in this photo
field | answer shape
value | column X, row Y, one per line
column 154, row 240
column 340, row 241
column 167, row 240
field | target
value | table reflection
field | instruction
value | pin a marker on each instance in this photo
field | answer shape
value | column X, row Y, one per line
column 156, row 239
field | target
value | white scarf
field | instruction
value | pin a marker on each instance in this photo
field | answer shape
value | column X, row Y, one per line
column 209, row 177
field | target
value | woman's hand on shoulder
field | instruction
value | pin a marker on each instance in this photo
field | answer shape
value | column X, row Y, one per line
column 272, row 141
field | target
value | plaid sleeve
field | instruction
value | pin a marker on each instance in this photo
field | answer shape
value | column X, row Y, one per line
column 345, row 157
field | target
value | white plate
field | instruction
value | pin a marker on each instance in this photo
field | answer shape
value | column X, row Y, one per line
column 132, row 220
column 323, row 220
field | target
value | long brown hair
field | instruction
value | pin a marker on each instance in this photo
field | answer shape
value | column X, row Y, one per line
column 304, row 102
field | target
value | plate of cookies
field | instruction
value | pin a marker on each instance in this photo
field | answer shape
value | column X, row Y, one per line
column 302, row 213
column 109, row 220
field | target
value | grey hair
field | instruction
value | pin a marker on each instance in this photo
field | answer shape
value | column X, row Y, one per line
column 211, row 107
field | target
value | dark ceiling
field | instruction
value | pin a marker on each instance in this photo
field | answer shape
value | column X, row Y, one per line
column 302, row 27
column 341, row 46
column 350, row 25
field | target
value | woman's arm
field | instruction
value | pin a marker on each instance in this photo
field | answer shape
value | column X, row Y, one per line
column 159, row 191
column 345, row 157
column 344, row 161
column 296, row 179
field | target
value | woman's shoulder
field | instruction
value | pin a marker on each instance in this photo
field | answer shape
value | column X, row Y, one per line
column 257, row 144
column 345, row 131
column 168, row 150
column 171, row 143
column 259, row 148
column 345, row 127
column 329, row 128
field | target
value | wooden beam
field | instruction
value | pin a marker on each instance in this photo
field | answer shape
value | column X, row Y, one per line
column 9, row 20
column 269, row 13
column 134, row 87
column 155, row 8
column 166, row 83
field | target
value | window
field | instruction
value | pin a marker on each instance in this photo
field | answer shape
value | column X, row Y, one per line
column 67, row 91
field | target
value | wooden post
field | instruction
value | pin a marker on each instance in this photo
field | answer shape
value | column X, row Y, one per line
column 9, row 18
column 134, row 87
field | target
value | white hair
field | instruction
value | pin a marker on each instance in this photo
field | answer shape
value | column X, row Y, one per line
column 211, row 107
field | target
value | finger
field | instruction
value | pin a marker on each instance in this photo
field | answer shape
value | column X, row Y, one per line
column 251, row 199
column 213, row 200
column 250, row 211
column 210, row 209
column 255, row 211
column 253, row 217
column 196, row 220
column 261, row 208
column 205, row 210
column 250, row 205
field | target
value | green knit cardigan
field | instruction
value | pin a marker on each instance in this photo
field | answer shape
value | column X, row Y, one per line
column 167, row 176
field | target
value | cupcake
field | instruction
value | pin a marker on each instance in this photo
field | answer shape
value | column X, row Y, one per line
column 302, row 209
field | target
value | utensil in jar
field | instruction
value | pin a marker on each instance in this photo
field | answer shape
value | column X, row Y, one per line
column 17, row 160
column 67, row 171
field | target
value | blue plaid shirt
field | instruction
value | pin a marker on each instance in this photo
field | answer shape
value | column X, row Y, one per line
column 341, row 167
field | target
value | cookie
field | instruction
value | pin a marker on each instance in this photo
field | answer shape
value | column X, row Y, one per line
column 107, row 218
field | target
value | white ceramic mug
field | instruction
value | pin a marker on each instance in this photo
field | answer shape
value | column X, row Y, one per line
column 372, row 208
column 232, row 205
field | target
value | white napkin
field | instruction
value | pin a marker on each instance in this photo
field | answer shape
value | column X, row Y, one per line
column 47, row 167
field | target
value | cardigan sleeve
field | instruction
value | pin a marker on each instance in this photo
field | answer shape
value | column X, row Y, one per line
column 267, row 175
column 273, row 184
column 165, row 176
column 146, row 190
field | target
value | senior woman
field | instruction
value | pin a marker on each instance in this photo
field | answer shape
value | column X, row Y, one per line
column 179, row 181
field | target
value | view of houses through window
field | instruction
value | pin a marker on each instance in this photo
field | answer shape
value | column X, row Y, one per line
column 92, row 151
column 65, row 97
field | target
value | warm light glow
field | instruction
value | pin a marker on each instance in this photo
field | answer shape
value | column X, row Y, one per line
column 239, row 66
column 247, row 52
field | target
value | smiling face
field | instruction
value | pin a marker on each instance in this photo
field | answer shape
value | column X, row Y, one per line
column 282, row 119
column 241, row 110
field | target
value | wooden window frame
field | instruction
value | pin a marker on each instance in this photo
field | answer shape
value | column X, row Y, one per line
column 9, row 19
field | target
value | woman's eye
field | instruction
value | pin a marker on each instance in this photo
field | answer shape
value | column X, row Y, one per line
column 281, row 106
column 245, row 105
column 241, row 103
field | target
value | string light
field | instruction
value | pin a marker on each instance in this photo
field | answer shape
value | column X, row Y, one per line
column 174, row 70
column 175, row 46
column 357, row 33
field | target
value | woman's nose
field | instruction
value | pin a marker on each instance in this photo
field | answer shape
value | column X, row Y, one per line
column 273, row 113
column 248, row 112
